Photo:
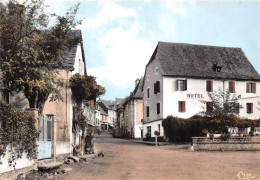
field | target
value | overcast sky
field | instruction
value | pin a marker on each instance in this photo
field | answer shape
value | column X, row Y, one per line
column 120, row 36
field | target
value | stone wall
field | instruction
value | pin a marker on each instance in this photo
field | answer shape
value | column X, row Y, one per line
column 231, row 144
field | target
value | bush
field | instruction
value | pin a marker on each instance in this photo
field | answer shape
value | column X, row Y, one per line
column 183, row 129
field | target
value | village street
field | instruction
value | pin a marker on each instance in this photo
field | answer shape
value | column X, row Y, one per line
column 125, row 159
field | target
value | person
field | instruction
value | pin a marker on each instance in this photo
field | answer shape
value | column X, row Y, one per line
column 99, row 132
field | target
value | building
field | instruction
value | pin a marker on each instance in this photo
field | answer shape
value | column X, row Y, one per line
column 102, row 116
column 109, row 108
column 133, row 112
column 179, row 76
column 55, row 124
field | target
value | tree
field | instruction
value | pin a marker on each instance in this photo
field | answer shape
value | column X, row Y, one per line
column 84, row 88
column 223, row 112
column 31, row 50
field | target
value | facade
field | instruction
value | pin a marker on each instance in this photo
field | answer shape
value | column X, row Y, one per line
column 179, row 77
column 57, row 117
column 109, row 107
column 103, row 117
column 133, row 112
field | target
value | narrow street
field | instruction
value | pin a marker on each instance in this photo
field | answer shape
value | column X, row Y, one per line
column 125, row 159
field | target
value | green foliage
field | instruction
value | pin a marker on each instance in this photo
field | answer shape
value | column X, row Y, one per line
column 85, row 88
column 29, row 55
column 17, row 129
column 183, row 129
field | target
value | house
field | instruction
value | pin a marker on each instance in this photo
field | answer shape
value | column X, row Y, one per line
column 55, row 124
column 109, row 107
column 102, row 116
column 133, row 112
column 179, row 76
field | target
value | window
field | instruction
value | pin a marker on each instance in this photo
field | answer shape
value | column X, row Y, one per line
column 147, row 111
column 249, row 107
column 237, row 108
column 250, row 87
column 157, row 87
column 209, row 106
column 158, row 108
column 148, row 92
column 181, row 106
column 181, row 85
column 148, row 134
column 231, row 86
column 209, row 85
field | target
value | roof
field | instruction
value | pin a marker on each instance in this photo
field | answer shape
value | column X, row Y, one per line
column 69, row 54
column 102, row 111
column 197, row 61
column 137, row 93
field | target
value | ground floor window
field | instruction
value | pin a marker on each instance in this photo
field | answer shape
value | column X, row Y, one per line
column 181, row 106
column 249, row 107
column 148, row 134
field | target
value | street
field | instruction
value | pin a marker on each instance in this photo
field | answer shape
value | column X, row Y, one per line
column 125, row 159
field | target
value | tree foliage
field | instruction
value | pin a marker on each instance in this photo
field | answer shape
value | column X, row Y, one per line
column 17, row 129
column 31, row 49
column 85, row 88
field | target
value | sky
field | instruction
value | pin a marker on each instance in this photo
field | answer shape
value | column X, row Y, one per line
column 119, row 37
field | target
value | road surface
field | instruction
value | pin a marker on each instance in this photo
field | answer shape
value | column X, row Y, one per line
column 125, row 159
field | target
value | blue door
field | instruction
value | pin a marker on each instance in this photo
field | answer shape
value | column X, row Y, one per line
column 45, row 137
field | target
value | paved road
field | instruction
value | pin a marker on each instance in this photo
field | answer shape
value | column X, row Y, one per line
column 128, row 160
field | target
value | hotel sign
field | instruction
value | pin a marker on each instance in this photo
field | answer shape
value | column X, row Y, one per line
column 198, row 96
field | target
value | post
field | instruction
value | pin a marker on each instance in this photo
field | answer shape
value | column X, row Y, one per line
column 155, row 140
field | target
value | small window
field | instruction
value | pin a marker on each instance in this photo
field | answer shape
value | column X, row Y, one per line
column 209, row 85
column 237, row 108
column 158, row 108
column 231, row 86
column 148, row 92
column 147, row 111
column 249, row 107
column 181, row 106
column 250, row 87
column 209, row 106
column 181, row 85
column 157, row 87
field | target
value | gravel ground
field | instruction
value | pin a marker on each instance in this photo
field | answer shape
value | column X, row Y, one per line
column 125, row 159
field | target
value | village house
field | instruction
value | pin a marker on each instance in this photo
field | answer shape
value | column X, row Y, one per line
column 109, row 107
column 133, row 112
column 55, row 124
column 102, row 116
column 179, row 77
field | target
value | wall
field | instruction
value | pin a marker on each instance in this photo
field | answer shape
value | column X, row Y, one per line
column 20, row 163
column 154, row 126
column 233, row 144
column 138, row 116
column 198, row 86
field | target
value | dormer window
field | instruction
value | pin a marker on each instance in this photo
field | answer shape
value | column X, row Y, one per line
column 216, row 68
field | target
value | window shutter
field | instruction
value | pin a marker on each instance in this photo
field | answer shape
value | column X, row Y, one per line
column 158, row 108
column 177, row 84
column 237, row 108
column 147, row 111
column 148, row 92
column 254, row 87
column 158, row 86
column 247, row 87
column 211, row 85
column 183, row 104
column 230, row 86
column 251, row 107
column 185, row 83
column 154, row 87
column 179, row 106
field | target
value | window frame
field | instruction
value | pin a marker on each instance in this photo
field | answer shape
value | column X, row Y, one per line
column 184, row 85
column 156, row 87
column 249, row 108
column 250, row 87
column 182, row 106
column 209, row 106
column 231, row 86
column 158, row 108
column 209, row 87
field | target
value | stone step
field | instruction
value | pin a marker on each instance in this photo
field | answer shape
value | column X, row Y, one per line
column 50, row 165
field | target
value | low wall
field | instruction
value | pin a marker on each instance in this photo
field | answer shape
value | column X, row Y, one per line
column 23, row 162
column 231, row 144
column 63, row 147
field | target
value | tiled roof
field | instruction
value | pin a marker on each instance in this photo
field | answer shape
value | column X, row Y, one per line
column 198, row 61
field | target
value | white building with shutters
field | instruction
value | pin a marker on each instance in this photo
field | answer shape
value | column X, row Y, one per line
column 178, row 78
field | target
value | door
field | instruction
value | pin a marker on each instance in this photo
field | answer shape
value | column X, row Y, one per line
column 45, row 137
